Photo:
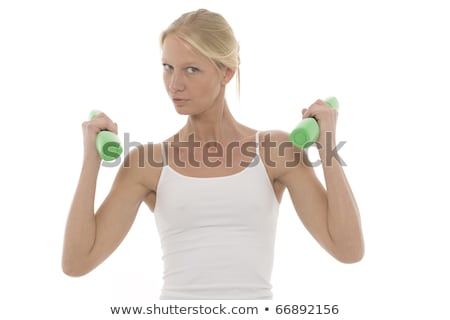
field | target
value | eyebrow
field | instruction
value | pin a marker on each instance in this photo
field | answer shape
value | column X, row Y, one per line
column 184, row 65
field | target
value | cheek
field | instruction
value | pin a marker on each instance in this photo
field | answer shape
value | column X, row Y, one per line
column 213, row 86
column 166, row 80
column 207, row 92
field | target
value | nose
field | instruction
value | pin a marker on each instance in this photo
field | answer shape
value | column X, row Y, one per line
column 176, row 82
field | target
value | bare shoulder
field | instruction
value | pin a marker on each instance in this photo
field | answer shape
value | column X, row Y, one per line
column 276, row 135
column 280, row 157
column 144, row 163
column 279, row 154
column 277, row 141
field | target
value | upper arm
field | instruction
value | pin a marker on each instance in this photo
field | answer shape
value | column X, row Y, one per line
column 118, row 211
column 296, row 173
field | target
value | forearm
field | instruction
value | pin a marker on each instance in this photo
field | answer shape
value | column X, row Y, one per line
column 80, row 227
column 344, row 222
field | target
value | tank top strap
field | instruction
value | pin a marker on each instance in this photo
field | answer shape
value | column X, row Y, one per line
column 257, row 143
column 163, row 153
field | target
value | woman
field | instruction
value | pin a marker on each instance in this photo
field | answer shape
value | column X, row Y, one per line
column 217, row 194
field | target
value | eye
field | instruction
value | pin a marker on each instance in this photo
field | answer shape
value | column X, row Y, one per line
column 167, row 67
column 192, row 70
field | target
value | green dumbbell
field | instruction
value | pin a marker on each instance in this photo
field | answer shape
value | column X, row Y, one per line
column 107, row 143
column 307, row 131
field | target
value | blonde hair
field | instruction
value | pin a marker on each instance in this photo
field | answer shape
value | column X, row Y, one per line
column 210, row 34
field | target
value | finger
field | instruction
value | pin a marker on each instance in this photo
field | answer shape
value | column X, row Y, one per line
column 102, row 122
column 311, row 112
column 109, row 126
column 320, row 102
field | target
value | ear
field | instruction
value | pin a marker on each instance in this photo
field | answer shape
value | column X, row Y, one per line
column 228, row 74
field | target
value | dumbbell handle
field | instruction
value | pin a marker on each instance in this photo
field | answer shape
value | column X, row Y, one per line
column 307, row 131
column 106, row 142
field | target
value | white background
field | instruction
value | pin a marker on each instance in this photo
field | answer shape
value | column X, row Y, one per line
column 386, row 61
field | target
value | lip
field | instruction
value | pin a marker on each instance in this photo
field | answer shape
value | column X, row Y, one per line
column 180, row 101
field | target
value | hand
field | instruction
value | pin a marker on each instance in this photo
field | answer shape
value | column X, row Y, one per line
column 326, row 117
column 90, row 130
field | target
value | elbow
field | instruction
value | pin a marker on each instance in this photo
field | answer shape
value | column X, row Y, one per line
column 351, row 257
column 72, row 269
column 72, row 272
column 349, row 251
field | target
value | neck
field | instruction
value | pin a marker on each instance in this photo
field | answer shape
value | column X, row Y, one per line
column 216, row 124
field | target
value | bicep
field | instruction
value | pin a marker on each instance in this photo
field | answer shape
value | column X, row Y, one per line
column 294, row 171
column 116, row 214
column 309, row 199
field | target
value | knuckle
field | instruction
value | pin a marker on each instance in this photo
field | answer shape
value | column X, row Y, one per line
column 86, row 125
column 90, row 125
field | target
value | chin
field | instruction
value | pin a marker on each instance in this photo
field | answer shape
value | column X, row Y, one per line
column 183, row 111
column 188, row 111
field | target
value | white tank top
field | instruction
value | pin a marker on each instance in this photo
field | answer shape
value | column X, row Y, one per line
column 217, row 234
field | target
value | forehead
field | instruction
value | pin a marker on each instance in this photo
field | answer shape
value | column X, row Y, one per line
column 178, row 51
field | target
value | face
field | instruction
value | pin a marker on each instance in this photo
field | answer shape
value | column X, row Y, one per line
column 193, row 83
